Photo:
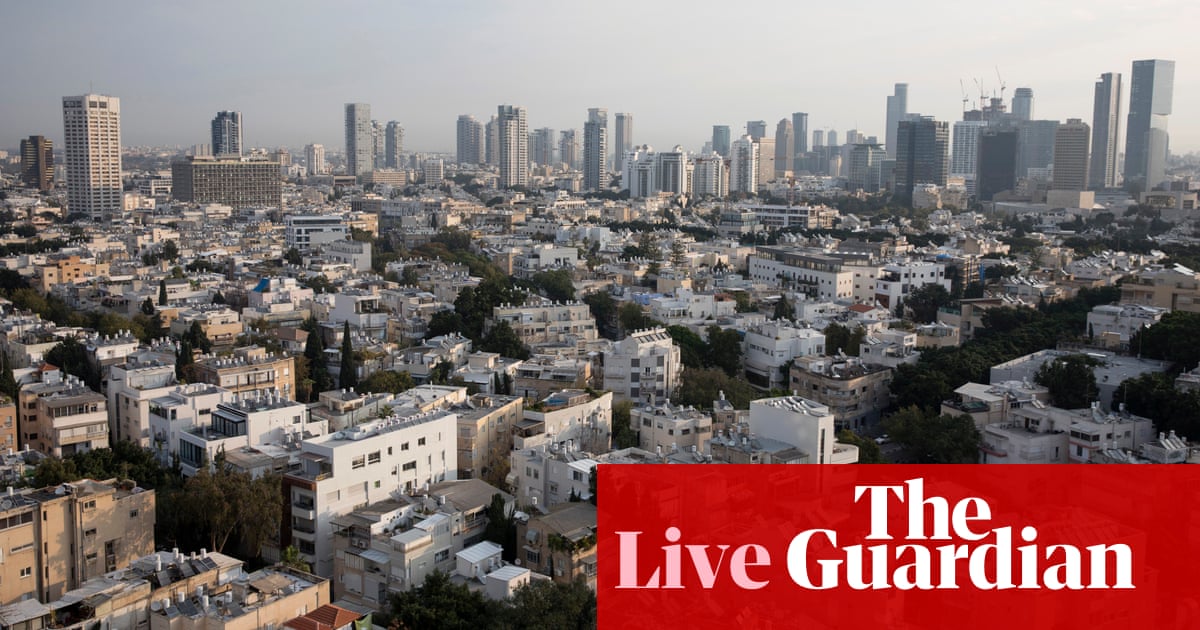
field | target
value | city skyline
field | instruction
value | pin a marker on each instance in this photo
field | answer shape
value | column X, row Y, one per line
column 294, row 98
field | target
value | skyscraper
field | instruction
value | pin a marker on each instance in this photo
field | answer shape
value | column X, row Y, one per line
column 513, row 136
column 393, row 144
column 542, row 149
column 818, row 138
column 743, row 166
column 92, row 147
column 964, row 154
column 831, row 138
column 37, row 163
column 378, row 144
column 491, row 142
column 997, row 169
column 756, row 129
column 922, row 154
column 595, row 149
column 1035, row 145
column 360, row 142
column 1150, row 96
column 673, row 171
column 865, row 172
column 1106, row 127
column 227, row 134
column 470, row 140
column 1022, row 103
column 799, row 133
column 624, row 136
column 568, row 148
column 784, row 145
column 897, row 107
column 314, row 159
column 1071, row 155
column 720, row 140
column 709, row 176
column 766, row 159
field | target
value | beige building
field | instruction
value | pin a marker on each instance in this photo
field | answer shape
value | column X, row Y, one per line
column 1176, row 289
column 250, row 369
column 485, row 436
column 8, row 424
column 561, row 544
column 539, row 376
column 67, row 270
column 546, row 324
column 669, row 428
column 854, row 392
column 63, row 417
column 85, row 529
column 222, row 325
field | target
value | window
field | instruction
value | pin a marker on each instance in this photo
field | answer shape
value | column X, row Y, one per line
column 26, row 572
column 420, row 441
column 410, row 466
column 358, row 462
column 89, row 532
column 90, row 505
column 373, row 458
column 404, row 446
column 534, row 557
column 133, row 513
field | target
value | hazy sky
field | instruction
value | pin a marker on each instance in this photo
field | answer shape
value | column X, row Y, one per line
column 678, row 67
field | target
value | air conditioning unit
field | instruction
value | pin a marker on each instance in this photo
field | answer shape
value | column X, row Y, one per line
column 361, row 544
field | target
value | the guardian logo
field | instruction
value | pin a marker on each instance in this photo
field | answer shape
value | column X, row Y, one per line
column 975, row 555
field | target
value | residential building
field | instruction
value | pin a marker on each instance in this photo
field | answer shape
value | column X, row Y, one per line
column 595, row 149
column 560, row 543
column 251, row 369
column 220, row 324
column 360, row 145
column 568, row 149
column 1106, row 129
column 756, row 129
column 581, row 418
column 470, row 143
column 306, row 231
column 132, row 388
column 360, row 465
column 1114, row 325
column 1110, row 369
column 743, row 166
column 67, row 418
column 393, row 145
column 854, row 393
column 889, row 348
column 1040, row 434
column 897, row 109
column 644, row 367
column 37, row 163
column 898, row 279
column 69, row 269
column 799, row 136
column 964, row 154
column 922, row 154
column 541, row 375
column 784, row 145
column 769, row 348
column 512, row 136
column 766, row 160
column 866, row 168
column 670, row 428
column 92, row 148
column 485, row 433
column 814, row 274
column 238, row 183
column 1071, row 155
column 1146, row 140
column 623, row 137
column 227, row 134
column 1175, row 289
column 548, row 325
column 541, row 146
column 180, row 410
column 710, row 176
column 8, row 427
column 57, row 538
column 721, row 140
column 314, row 159
column 807, row 425
column 993, row 404
column 246, row 421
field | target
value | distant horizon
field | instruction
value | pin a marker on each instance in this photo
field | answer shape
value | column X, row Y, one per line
column 677, row 68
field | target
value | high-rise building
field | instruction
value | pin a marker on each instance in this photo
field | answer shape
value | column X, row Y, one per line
column 513, row 134
column 818, row 138
column 709, row 176
column 1071, row 155
column 964, row 153
column 766, row 159
column 542, row 146
column 393, row 144
column 831, row 138
column 92, row 147
column 866, row 168
column 314, row 159
column 1022, row 103
column 568, row 148
column 595, row 149
column 1106, row 127
column 640, row 176
column 1150, row 96
column 433, row 170
column 784, row 144
column 227, row 134
column 1035, row 146
column 756, row 129
column 624, row 136
column 922, row 154
column 673, row 171
column 37, row 163
column 360, row 141
column 743, row 166
column 378, row 144
column 799, row 133
column 997, row 169
column 897, row 107
column 228, row 181
column 470, row 140
column 720, row 140
column 491, row 142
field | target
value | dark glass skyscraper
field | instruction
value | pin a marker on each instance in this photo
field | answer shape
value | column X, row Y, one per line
column 720, row 139
column 1106, row 127
column 37, row 163
column 997, row 167
column 922, row 154
column 227, row 134
column 1150, row 96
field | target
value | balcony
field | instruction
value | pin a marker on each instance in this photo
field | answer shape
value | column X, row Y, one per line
column 307, row 513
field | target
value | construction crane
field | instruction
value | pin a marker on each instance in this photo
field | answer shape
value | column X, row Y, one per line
column 1002, row 83
column 982, row 95
column 962, row 88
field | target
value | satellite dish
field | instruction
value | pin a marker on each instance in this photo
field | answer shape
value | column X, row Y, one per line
column 6, row 504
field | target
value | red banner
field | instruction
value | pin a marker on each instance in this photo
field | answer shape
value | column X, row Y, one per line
column 810, row 546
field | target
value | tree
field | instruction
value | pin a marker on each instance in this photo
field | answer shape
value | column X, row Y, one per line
column 556, row 285
column 162, row 292
column 549, row 604
column 438, row 604
column 924, row 302
column 8, row 384
column 843, row 338
column 231, row 509
column 503, row 340
column 604, row 311
column 693, row 351
column 632, row 317
column 725, row 350
column 1175, row 338
column 624, row 434
column 440, row 373
column 170, row 251
column 71, row 356
column 387, row 381
column 318, row 367
column 1071, row 381
column 501, row 527
column 183, row 358
column 699, row 387
column 444, row 323
column 199, row 340
column 784, row 309
column 147, row 307
column 744, row 303
column 348, row 371
column 291, row 558
column 935, row 439
column 1154, row 396
column 293, row 257
column 868, row 449
column 218, row 297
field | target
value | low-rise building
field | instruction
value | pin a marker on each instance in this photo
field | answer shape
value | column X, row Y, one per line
column 1175, row 289
column 220, row 324
column 580, row 417
column 485, row 434
column 1113, row 325
column 853, row 391
column 1040, row 434
column 803, row 423
column 132, row 387
column 251, row 369
column 561, row 543
column 541, row 375
column 644, row 367
column 668, row 427
column 67, row 417
column 543, row 324
column 178, row 411
column 769, row 347
column 246, row 421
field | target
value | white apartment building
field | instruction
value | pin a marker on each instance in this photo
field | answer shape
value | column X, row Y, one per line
column 1115, row 324
column 364, row 310
column 132, row 387
column 807, row 425
column 357, row 254
column 1040, row 434
column 811, row 273
column 889, row 348
column 92, row 147
column 709, row 176
column 178, row 411
column 248, row 421
column 688, row 306
column 546, row 324
column 767, row 348
column 543, row 257
column 361, row 465
column 743, row 165
column 644, row 367
column 571, row 416
column 898, row 279
column 671, row 428
column 307, row 231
